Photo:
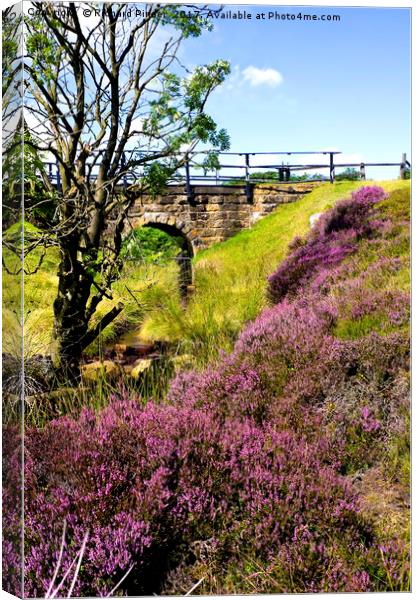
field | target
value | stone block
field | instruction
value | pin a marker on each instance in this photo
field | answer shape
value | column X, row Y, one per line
column 92, row 371
column 140, row 367
column 213, row 207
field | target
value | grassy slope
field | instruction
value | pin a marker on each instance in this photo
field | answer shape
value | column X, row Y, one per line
column 230, row 285
column 364, row 265
column 384, row 488
column 231, row 277
column 383, row 485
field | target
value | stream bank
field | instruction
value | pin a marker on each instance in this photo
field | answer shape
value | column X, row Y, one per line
column 135, row 359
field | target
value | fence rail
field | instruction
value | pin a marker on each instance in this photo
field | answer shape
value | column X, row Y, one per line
column 192, row 173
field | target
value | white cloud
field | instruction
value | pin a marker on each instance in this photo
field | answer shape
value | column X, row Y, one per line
column 250, row 76
column 256, row 76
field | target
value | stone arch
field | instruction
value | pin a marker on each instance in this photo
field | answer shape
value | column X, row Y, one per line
column 184, row 259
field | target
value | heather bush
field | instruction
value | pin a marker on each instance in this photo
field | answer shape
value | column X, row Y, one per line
column 285, row 340
column 334, row 237
column 352, row 214
column 146, row 483
column 288, row 361
column 11, row 509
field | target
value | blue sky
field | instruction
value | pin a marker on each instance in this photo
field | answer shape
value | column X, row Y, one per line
column 314, row 85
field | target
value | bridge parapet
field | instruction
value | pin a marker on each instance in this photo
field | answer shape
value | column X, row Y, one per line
column 215, row 213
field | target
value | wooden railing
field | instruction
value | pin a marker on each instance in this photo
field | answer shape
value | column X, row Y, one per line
column 192, row 173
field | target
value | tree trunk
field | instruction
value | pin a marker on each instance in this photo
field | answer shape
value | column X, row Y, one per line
column 70, row 320
column 73, row 309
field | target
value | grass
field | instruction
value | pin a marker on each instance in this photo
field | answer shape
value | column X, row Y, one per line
column 384, row 488
column 363, row 264
column 231, row 277
column 146, row 282
column 230, row 280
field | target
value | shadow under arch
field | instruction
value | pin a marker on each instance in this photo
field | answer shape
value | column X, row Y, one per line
column 184, row 258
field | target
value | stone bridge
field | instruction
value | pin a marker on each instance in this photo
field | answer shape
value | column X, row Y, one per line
column 212, row 214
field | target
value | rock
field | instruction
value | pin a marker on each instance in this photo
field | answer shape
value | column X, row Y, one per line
column 92, row 371
column 140, row 366
column 314, row 218
column 256, row 215
column 120, row 348
column 133, row 349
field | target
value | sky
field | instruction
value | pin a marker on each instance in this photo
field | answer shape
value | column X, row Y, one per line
column 314, row 85
column 304, row 85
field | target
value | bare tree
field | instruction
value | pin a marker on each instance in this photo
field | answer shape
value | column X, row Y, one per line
column 108, row 97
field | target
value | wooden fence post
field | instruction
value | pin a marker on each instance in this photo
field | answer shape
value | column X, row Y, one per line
column 404, row 167
column 331, row 167
column 248, row 186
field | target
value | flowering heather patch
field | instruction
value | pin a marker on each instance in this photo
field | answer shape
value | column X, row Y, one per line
column 353, row 213
column 252, row 459
column 385, row 309
column 332, row 239
column 147, row 482
column 289, row 335
column 12, row 509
